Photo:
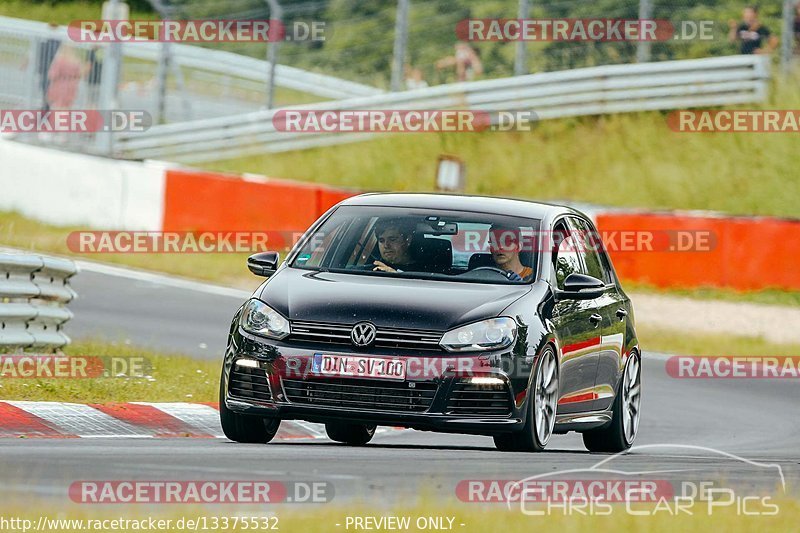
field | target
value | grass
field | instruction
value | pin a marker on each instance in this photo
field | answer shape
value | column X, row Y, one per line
column 763, row 296
column 475, row 518
column 60, row 12
column 627, row 160
column 683, row 343
column 165, row 378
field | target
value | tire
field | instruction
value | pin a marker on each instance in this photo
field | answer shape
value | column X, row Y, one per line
column 245, row 428
column 506, row 442
column 351, row 434
column 543, row 391
column 620, row 433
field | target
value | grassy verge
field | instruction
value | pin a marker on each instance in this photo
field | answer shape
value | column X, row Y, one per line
column 165, row 378
column 764, row 296
column 466, row 518
column 630, row 160
column 21, row 232
column 683, row 343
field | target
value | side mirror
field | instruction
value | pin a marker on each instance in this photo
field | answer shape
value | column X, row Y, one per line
column 581, row 287
column 263, row 263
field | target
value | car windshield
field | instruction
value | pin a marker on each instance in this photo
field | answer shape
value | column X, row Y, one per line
column 423, row 243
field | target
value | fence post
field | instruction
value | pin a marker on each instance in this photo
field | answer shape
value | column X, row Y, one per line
column 520, row 57
column 109, row 79
column 275, row 13
column 162, row 70
column 643, row 47
column 787, row 36
column 400, row 42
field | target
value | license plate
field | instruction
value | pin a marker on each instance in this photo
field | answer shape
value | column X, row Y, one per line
column 357, row 366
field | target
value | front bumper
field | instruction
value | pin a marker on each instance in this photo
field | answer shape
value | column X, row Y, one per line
column 441, row 379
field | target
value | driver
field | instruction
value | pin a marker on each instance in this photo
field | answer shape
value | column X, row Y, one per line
column 394, row 237
column 505, row 245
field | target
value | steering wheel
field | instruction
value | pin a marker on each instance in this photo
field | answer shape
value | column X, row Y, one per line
column 492, row 269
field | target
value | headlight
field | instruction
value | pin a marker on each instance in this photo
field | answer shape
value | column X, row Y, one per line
column 491, row 334
column 260, row 319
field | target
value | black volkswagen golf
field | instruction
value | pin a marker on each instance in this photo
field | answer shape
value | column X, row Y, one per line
column 457, row 314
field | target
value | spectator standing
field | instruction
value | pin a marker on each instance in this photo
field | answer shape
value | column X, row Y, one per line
column 753, row 37
column 46, row 51
column 64, row 76
column 414, row 79
column 466, row 60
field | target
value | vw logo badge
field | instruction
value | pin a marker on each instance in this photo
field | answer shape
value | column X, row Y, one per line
column 363, row 334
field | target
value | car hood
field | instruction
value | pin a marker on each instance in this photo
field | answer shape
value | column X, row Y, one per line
column 385, row 301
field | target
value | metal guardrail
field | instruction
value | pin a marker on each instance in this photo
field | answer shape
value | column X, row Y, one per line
column 589, row 91
column 34, row 291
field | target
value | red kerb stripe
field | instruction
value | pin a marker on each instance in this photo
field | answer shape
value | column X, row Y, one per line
column 147, row 416
column 16, row 422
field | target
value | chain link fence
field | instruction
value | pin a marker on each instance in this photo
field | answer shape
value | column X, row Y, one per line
column 361, row 36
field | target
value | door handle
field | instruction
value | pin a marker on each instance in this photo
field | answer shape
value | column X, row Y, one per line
column 621, row 313
column 595, row 318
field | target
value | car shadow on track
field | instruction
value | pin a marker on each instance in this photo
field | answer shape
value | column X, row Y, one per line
column 418, row 447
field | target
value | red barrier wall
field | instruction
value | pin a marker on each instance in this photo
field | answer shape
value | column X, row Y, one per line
column 748, row 253
column 207, row 201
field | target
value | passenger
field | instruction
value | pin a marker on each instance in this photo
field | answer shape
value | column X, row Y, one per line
column 505, row 245
column 394, row 243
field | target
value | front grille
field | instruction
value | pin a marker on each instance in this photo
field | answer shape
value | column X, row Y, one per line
column 360, row 394
column 249, row 384
column 414, row 339
column 468, row 399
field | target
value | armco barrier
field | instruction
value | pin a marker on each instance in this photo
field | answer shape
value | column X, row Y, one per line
column 33, row 293
column 748, row 253
column 207, row 201
column 578, row 92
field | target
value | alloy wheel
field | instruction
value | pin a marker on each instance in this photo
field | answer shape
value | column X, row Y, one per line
column 631, row 398
column 546, row 397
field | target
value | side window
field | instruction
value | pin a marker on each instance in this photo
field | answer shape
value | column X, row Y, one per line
column 591, row 248
column 566, row 259
column 315, row 249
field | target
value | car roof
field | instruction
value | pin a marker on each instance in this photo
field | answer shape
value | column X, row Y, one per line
column 480, row 204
